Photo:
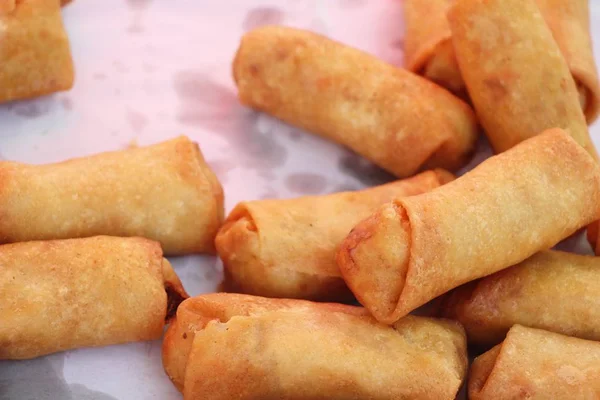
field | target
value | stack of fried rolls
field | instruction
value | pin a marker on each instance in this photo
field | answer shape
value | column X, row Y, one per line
column 429, row 50
column 286, row 248
column 224, row 346
column 416, row 248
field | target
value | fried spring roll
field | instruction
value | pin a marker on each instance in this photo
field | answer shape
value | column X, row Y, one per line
column 286, row 248
column 428, row 47
column 65, row 294
column 518, row 80
column 528, row 294
column 392, row 117
column 569, row 21
column 535, row 364
column 165, row 192
column 417, row 248
column 35, row 56
column 244, row 347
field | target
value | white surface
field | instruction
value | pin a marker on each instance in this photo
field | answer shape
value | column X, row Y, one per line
column 148, row 70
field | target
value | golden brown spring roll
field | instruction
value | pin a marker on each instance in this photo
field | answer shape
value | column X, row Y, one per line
column 245, row 347
column 286, row 248
column 551, row 290
column 65, row 294
column 392, row 117
column 517, row 78
column 165, row 192
column 569, row 21
column 428, row 47
column 429, row 51
column 35, row 56
column 536, row 364
column 497, row 215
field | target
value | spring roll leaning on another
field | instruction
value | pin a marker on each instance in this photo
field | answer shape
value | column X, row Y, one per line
column 536, row 364
column 293, row 349
column 165, row 192
column 65, row 294
column 417, row 248
column 551, row 290
column 286, row 248
column 517, row 78
column 35, row 56
column 569, row 21
column 354, row 99
column 428, row 47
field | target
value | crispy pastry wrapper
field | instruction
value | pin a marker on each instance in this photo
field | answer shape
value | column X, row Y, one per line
column 537, row 364
column 286, row 248
column 35, row 56
column 238, row 346
column 165, row 192
column 528, row 294
column 416, row 248
column 354, row 99
column 65, row 294
column 429, row 50
column 518, row 80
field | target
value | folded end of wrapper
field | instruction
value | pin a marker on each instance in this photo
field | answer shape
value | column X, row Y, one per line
column 373, row 260
column 480, row 372
column 176, row 294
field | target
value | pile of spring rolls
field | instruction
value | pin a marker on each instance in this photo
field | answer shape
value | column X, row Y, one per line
column 82, row 263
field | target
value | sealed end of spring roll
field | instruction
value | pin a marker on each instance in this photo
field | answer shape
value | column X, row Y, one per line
column 392, row 117
column 66, row 294
column 165, row 192
column 428, row 47
column 295, row 349
column 569, row 21
column 528, row 294
column 537, row 364
column 35, row 51
column 517, row 78
column 286, row 248
column 417, row 248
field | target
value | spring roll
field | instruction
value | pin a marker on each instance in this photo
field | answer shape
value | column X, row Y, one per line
column 518, row 80
column 428, row 47
column 35, row 56
column 392, row 117
column 536, row 364
column 416, row 248
column 569, row 21
column 520, row 295
column 165, row 192
column 286, row 248
column 293, row 349
column 66, row 294
column 429, row 52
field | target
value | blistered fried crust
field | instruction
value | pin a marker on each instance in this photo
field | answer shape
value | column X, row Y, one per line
column 35, row 56
column 286, row 248
column 518, row 80
column 65, row 294
column 165, row 192
column 536, row 364
column 417, row 248
column 355, row 99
